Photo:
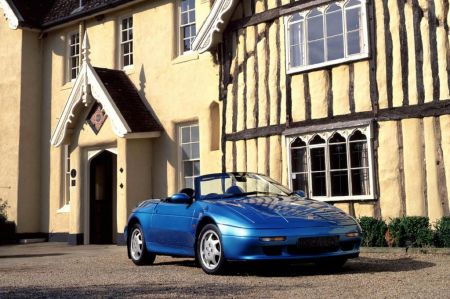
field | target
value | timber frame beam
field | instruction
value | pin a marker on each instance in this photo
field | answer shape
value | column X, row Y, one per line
column 405, row 112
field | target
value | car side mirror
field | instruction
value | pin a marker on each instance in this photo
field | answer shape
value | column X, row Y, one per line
column 300, row 193
column 181, row 198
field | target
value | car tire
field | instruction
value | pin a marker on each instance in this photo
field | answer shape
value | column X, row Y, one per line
column 137, row 250
column 210, row 252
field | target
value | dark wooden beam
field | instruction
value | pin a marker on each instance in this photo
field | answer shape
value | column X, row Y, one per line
column 399, row 113
column 388, row 49
column 404, row 52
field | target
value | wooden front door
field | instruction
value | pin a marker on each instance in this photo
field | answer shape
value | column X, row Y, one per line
column 102, row 178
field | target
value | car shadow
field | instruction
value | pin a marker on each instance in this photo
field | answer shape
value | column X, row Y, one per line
column 290, row 269
column 17, row 256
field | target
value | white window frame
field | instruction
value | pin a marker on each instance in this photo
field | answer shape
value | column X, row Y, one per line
column 70, row 67
column 122, row 43
column 304, row 13
column 180, row 27
column 182, row 177
column 326, row 135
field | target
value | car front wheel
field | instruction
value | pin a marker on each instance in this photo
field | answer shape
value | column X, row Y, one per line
column 137, row 249
column 210, row 253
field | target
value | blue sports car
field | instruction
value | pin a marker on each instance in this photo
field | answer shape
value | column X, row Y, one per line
column 241, row 217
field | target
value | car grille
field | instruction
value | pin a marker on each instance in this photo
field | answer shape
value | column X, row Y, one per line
column 311, row 246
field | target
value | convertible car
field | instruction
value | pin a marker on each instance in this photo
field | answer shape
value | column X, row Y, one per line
column 241, row 217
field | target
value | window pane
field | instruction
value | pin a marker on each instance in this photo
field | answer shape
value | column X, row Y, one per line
column 185, row 135
column 319, row 187
column 316, row 52
column 334, row 23
column 360, row 181
column 189, row 183
column 186, row 151
column 195, row 151
column 353, row 19
column 294, row 31
column 353, row 43
column 318, row 159
column 184, row 5
column 124, row 23
column 300, row 182
column 339, row 183
column 357, row 135
column 315, row 28
column 298, row 143
column 317, row 140
column 124, row 36
column 335, row 47
column 299, row 160
column 188, row 168
column 184, row 18
column 194, row 134
column 358, row 154
column 191, row 4
column 192, row 16
column 196, row 168
column 126, row 60
column 296, row 56
column 338, row 156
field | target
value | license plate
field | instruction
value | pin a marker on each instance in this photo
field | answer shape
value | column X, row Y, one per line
column 318, row 242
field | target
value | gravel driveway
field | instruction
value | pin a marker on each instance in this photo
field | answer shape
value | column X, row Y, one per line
column 59, row 270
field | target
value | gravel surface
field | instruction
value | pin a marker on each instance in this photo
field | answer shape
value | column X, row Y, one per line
column 59, row 270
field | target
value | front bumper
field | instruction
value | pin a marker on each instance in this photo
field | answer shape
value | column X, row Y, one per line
column 245, row 244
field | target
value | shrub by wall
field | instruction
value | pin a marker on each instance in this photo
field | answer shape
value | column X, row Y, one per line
column 442, row 234
column 373, row 232
column 411, row 231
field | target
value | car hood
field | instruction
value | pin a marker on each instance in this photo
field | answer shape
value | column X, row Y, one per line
column 283, row 212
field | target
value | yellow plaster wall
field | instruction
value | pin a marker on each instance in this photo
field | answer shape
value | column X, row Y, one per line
column 179, row 89
column 394, row 23
column 445, row 146
column 10, row 97
column 413, row 161
column 388, row 170
column 298, row 98
column 435, row 208
column 318, row 86
column 29, row 151
column 340, row 87
column 363, row 101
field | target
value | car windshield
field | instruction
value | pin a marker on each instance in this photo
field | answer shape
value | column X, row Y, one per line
column 232, row 185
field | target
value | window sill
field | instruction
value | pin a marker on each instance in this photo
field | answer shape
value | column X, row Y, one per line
column 334, row 63
column 129, row 70
column 64, row 210
column 68, row 85
column 189, row 56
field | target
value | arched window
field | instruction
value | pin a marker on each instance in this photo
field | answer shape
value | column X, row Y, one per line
column 333, row 166
column 316, row 47
column 353, row 27
column 335, row 32
column 297, row 38
column 359, row 164
column 299, row 165
column 338, row 165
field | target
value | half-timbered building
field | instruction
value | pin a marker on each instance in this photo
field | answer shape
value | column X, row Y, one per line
column 347, row 100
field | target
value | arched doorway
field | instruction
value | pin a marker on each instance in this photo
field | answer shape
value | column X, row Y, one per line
column 102, row 198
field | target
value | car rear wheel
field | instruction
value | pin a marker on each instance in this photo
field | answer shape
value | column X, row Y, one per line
column 137, row 249
column 210, row 253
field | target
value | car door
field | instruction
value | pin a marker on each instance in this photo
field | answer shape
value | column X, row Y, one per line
column 171, row 228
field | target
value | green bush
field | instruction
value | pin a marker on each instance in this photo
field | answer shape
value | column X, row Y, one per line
column 373, row 232
column 3, row 215
column 411, row 231
column 442, row 234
